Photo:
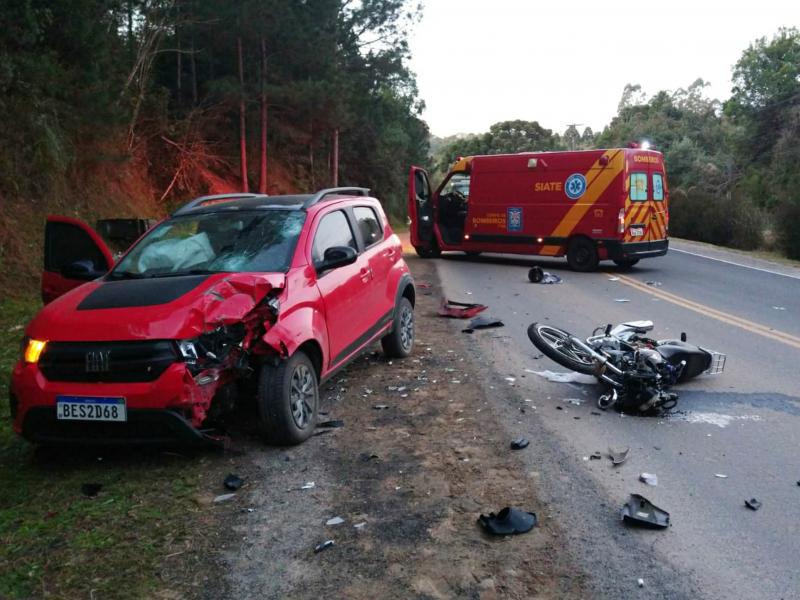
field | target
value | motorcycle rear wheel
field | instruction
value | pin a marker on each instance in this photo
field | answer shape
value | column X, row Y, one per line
column 557, row 345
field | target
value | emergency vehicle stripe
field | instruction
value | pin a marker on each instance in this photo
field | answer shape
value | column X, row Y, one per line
column 594, row 189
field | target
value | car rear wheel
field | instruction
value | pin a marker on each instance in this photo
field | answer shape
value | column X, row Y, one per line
column 432, row 251
column 400, row 341
column 582, row 255
column 288, row 400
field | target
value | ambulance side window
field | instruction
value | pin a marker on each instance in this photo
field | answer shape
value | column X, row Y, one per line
column 658, row 186
column 638, row 187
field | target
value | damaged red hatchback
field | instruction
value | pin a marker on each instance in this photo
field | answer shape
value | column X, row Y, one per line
column 231, row 297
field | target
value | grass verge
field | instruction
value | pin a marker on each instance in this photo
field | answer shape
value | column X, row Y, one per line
column 128, row 541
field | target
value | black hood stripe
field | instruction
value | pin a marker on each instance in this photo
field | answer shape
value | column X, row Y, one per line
column 140, row 292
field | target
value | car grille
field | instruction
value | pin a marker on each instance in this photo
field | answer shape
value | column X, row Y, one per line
column 127, row 362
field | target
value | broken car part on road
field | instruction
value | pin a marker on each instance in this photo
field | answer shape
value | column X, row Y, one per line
column 483, row 323
column 538, row 275
column 639, row 511
column 637, row 370
column 459, row 310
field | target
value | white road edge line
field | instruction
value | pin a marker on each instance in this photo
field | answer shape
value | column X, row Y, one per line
column 735, row 264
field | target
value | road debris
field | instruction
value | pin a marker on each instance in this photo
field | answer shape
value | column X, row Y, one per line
column 307, row 486
column 639, row 511
column 621, row 300
column 519, row 443
column 752, row 504
column 618, row 455
column 331, row 424
column 334, row 521
column 721, row 475
column 568, row 377
column 483, row 323
column 538, row 275
column 595, row 456
column 459, row 310
column 649, row 478
column 323, row 546
column 233, row 482
column 223, row 498
column 91, row 489
column 640, row 582
column 509, row 521
column 360, row 525
column 779, row 307
column 653, row 283
column 613, row 278
column 380, row 406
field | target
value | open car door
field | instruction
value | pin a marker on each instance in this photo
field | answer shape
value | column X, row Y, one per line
column 420, row 209
column 73, row 254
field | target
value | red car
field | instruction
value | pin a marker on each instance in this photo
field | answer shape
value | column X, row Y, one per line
column 231, row 296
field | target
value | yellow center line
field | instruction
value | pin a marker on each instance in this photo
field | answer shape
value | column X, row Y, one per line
column 752, row 327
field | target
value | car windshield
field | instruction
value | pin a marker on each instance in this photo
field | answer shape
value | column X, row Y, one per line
column 215, row 242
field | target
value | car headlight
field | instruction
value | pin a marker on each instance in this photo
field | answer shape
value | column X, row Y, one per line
column 32, row 350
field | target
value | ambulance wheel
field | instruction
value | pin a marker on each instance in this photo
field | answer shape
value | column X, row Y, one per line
column 432, row 252
column 582, row 255
column 626, row 264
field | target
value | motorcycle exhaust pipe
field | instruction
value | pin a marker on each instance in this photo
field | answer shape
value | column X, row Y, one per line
column 603, row 360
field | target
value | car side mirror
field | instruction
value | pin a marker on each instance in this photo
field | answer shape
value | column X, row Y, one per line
column 83, row 270
column 335, row 257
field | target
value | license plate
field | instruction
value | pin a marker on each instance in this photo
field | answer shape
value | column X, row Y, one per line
column 91, row 408
column 637, row 231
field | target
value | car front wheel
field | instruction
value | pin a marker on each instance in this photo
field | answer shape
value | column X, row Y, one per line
column 288, row 400
column 399, row 342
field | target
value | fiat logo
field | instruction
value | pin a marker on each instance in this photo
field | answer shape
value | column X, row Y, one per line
column 97, row 361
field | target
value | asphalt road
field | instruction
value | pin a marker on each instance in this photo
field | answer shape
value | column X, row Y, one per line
column 743, row 424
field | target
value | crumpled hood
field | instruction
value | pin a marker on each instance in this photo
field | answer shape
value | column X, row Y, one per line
column 158, row 308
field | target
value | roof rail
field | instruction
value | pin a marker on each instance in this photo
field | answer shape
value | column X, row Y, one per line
column 199, row 201
column 342, row 191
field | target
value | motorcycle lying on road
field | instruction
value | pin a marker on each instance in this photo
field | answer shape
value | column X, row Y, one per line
column 637, row 370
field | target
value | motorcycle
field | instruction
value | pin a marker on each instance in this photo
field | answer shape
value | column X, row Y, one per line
column 636, row 369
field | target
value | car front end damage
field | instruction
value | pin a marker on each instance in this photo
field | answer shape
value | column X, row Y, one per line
column 145, row 389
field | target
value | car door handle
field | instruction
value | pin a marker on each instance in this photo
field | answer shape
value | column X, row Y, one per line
column 366, row 274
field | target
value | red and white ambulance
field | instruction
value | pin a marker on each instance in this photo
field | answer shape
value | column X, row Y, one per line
column 590, row 205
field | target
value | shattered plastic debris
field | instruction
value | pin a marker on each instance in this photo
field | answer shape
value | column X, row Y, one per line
column 752, row 504
column 91, row 489
column 323, row 546
column 595, row 456
column 380, row 406
column 779, row 307
column 618, row 455
column 334, row 521
column 640, row 582
column 613, row 278
column 233, row 482
column 519, row 443
column 720, row 475
column 538, row 275
column 331, row 424
column 510, row 379
column 574, row 401
column 459, row 310
column 638, row 510
column 308, row 486
column 653, row 283
column 508, row 521
column 360, row 525
column 621, row 300
column 649, row 478
column 223, row 498
column 483, row 323
column 568, row 377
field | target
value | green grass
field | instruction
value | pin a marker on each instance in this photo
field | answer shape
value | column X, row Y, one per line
column 56, row 542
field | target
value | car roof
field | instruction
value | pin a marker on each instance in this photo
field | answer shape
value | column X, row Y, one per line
column 245, row 201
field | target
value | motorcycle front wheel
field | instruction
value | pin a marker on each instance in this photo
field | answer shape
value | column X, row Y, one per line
column 557, row 345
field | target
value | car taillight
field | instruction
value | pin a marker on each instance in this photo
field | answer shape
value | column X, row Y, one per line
column 621, row 221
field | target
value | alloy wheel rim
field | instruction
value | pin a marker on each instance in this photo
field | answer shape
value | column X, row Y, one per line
column 406, row 328
column 302, row 396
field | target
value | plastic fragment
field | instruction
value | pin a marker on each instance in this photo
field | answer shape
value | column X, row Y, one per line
column 720, row 475
column 508, row 521
column 223, row 498
column 323, row 546
column 334, row 521
column 331, row 424
column 640, row 582
column 618, row 455
column 308, row 486
column 360, row 525
column 519, row 443
column 752, row 504
column 649, row 478
column 459, row 310
column 621, row 300
column 638, row 510
column 380, row 406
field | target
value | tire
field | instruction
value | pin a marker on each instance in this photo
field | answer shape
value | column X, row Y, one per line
column 288, row 400
column 399, row 342
column 431, row 252
column 535, row 274
column 626, row 264
column 582, row 255
column 555, row 344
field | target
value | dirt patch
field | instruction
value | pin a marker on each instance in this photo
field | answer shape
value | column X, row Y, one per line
column 409, row 482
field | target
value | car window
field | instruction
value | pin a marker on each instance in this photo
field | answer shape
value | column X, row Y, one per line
column 638, row 187
column 66, row 244
column 261, row 241
column 459, row 182
column 334, row 230
column 368, row 225
column 658, row 186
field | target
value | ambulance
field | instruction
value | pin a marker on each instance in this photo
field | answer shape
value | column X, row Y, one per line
column 589, row 206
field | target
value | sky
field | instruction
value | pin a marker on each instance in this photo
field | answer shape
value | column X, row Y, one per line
column 567, row 61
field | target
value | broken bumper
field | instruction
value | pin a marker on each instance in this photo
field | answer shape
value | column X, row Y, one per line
column 159, row 411
column 636, row 250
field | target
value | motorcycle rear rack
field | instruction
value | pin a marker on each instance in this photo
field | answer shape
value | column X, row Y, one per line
column 717, row 364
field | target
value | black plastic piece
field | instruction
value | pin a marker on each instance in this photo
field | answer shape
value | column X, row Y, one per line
column 519, row 443
column 508, row 521
column 639, row 511
column 233, row 482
